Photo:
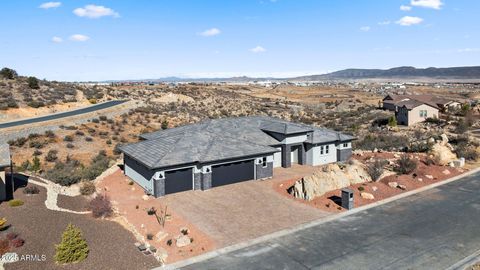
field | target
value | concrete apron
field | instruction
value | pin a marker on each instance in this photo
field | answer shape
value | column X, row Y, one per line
column 221, row 251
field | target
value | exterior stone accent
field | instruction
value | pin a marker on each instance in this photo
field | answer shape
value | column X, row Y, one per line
column 344, row 154
column 206, row 181
column 263, row 173
column 159, row 188
column 197, row 181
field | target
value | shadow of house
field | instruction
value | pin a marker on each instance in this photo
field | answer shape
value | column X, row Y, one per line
column 5, row 163
column 19, row 181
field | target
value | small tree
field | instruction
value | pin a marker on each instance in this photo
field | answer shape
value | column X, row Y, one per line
column 392, row 121
column 33, row 83
column 73, row 247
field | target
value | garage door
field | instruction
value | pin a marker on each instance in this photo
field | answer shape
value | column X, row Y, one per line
column 177, row 181
column 232, row 173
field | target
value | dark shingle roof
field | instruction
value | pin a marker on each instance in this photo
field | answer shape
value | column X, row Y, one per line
column 4, row 155
column 219, row 139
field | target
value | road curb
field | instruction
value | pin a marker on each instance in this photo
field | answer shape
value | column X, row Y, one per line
column 310, row 224
column 466, row 262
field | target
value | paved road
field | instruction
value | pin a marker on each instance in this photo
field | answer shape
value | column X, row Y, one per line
column 40, row 119
column 430, row 230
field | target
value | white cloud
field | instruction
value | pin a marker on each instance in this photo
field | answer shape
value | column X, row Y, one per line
column 468, row 50
column 48, row 5
column 210, row 32
column 409, row 20
column 365, row 28
column 405, row 8
column 78, row 37
column 384, row 23
column 94, row 12
column 435, row 4
column 258, row 49
column 57, row 39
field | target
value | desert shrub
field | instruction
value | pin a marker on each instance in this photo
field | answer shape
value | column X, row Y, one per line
column 102, row 118
column 405, row 165
column 37, row 152
column 116, row 149
column 70, row 145
column 98, row 165
column 51, row 155
column 4, row 246
column 467, row 152
column 461, row 127
column 376, row 168
column 37, row 144
column 11, row 236
column 73, row 247
column 68, row 138
column 100, row 206
column 88, row 139
column 79, row 133
column 31, row 190
column 33, row 83
column 87, row 188
column 95, row 120
column 150, row 236
column 50, row 134
column 164, row 124
column 8, row 73
column 169, row 242
column 17, row 242
column 386, row 142
column 36, row 104
column 92, row 101
column 65, row 173
column 15, row 202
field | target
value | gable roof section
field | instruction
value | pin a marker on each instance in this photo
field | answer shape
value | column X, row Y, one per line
column 285, row 128
column 411, row 104
column 4, row 155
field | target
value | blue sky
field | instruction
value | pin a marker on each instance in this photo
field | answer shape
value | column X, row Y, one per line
column 100, row 40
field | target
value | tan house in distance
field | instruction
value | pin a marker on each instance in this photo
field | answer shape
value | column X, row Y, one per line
column 4, row 163
column 391, row 101
column 410, row 112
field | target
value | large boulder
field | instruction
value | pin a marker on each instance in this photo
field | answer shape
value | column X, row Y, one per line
column 442, row 154
column 329, row 177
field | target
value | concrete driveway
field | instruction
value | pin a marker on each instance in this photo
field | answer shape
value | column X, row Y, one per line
column 243, row 211
column 433, row 229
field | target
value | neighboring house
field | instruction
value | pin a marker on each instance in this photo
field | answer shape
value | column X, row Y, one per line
column 225, row 151
column 391, row 101
column 4, row 163
column 410, row 112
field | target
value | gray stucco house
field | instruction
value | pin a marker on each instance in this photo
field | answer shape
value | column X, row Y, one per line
column 225, row 151
column 4, row 163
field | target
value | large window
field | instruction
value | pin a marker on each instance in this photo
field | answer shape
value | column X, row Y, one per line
column 264, row 162
column 423, row 113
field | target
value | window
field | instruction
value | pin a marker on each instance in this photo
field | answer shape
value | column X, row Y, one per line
column 264, row 162
column 345, row 145
column 327, row 149
column 423, row 113
column 321, row 150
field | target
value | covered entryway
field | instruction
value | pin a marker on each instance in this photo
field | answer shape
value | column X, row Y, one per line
column 231, row 173
column 294, row 154
column 179, row 180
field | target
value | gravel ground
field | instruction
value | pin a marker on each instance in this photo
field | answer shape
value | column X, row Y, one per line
column 111, row 246
column 77, row 203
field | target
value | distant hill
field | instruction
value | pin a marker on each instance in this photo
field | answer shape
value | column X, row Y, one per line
column 399, row 72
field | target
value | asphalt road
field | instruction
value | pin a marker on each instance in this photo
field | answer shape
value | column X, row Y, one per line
column 430, row 230
column 56, row 116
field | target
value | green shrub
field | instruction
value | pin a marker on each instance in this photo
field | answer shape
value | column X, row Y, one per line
column 33, row 83
column 73, row 247
column 15, row 202
column 31, row 190
column 392, row 121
